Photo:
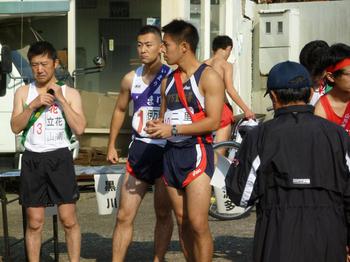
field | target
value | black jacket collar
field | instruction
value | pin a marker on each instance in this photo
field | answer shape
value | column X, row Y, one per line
column 295, row 109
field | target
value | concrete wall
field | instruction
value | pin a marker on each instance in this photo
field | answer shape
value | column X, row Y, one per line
column 326, row 20
column 239, row 29
column 171, row 9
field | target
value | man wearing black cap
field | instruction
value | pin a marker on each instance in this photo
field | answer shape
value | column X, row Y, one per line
column 296, row 167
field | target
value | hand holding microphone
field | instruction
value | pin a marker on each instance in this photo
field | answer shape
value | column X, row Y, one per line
column 51, row 91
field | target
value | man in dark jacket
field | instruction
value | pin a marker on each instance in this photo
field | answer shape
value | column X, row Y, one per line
column 296, row 167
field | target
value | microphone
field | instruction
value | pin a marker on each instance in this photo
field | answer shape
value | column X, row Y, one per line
column 42, row 108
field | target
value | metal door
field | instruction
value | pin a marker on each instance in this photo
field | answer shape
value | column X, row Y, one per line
column 120, row 37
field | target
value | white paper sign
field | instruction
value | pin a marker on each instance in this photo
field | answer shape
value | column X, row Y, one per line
column 221, row 169
column 107, row 188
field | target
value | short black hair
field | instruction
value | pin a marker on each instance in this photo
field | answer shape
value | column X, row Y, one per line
column 221, row 41
column 150, row 29
column 286, row 96
column 181, row 30
column 337, row 53
column 42, row 48
column 313, row 56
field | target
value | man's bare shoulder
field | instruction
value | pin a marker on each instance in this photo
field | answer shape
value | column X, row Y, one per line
column 21, row 95
column 217, row 65
column 208, row 61
column 130, row 75
column 319, row 110
column 22, row 91
column 226, row 64
column 23, row 88
column 127, row 80
column 211, row 75
column 70, row 91
column 217, row 62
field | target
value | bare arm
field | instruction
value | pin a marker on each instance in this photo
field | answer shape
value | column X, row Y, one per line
column 228, row 72
column 213, row 91
column 319, row 111
column 163, row 100
column 20, row 113
column 119, row 115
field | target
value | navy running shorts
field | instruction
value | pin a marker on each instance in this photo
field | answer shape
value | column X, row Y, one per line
column 185, row 161
column 145, row 161
column 48, row 178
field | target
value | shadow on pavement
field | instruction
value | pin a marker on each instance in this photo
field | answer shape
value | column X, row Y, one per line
column 98, row 248
column 231, row 248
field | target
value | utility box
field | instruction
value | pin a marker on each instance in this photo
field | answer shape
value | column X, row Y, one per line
column 279, row 37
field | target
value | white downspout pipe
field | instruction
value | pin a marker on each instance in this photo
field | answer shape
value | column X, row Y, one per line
column 71, row 36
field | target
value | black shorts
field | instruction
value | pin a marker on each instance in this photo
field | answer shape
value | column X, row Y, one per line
column 185, row 161
column 145, row 161
column 48, row 178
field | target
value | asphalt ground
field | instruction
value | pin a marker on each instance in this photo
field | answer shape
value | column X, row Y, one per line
column 232, row 239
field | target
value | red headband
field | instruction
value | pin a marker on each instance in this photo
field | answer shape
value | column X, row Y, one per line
column 340, row 65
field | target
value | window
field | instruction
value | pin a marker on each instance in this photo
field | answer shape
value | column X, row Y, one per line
column 280, row 27
column 268, row 27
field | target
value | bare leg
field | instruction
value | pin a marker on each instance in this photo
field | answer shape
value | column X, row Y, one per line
column 222, row 134
column 132, row 193
column 35, row 223
column 177, row 198
column 164, row 221
column 198, row 194
column 68, row 217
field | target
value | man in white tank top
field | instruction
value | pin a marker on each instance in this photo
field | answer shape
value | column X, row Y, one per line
column 144, row 165
column 47, row 113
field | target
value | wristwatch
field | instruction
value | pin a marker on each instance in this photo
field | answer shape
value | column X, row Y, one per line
column 173, row 130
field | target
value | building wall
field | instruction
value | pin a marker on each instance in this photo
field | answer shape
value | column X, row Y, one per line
column 325, row 20
column 239, row 29
column 87, row 34
column 174, row 9
column 226, row 18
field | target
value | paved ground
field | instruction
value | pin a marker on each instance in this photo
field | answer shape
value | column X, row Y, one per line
column 232, row 239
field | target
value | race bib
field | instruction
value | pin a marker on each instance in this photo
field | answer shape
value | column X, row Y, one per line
column 142, row 116
column 37, row 136
column 178, row 117
column 49, row 129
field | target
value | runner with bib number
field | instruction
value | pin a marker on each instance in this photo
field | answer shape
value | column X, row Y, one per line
column 144, row 166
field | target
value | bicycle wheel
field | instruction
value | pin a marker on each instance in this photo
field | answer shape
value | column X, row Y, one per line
column 221, row 207
column 230, row 147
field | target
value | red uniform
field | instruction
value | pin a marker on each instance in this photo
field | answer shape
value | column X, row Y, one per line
column 333, row 117
column 226, row 116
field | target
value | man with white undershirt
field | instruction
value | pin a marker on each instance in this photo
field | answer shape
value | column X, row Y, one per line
column 48, row 112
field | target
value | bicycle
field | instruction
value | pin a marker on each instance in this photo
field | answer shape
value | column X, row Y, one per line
column 221, row 207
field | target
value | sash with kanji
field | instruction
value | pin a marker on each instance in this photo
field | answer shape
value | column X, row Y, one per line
column 153, row 86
